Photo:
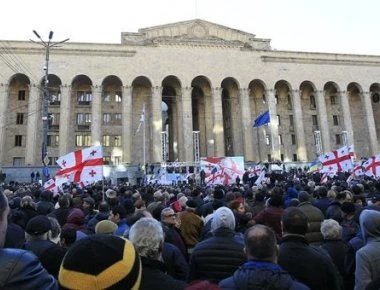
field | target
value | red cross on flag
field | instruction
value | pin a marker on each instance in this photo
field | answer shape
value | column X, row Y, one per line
column 50, row 185
column 337, row 161
column 83, row 166
column 358, row 169
column 372, row 166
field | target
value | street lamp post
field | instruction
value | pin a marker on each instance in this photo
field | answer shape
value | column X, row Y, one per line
column 45, row 101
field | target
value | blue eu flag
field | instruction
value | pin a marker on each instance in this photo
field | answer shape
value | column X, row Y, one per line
column 262, row 119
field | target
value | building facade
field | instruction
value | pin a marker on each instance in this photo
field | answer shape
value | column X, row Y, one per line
column 182, row 91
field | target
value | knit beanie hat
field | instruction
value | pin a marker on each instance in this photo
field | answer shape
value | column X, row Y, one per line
column 223, row 218
column 101, row 262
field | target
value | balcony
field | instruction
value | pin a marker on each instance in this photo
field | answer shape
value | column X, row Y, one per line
column 53, row 127
column 83, row 127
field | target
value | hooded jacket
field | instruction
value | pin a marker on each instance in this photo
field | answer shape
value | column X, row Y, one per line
column 368, row 257
column 261, row 276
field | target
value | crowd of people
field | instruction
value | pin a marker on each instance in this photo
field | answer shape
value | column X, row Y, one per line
column 290, row 233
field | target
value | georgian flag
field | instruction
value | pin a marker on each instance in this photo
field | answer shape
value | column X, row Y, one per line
column 83, row 166
column 337, row 161
column 255, row 171
column 372, row 166
column 50, row 185
column 358, row 169
column 261, row 179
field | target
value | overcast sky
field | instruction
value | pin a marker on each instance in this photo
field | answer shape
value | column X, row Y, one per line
column 337, row 26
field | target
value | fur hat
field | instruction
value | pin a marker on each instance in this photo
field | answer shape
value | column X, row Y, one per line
column 101, row 262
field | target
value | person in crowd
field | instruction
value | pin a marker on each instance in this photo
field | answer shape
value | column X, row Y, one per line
column 334, row 211
column 261, row 271
column 173, row 235
column 75, row 220
column 148, row 238
column 350, row 227
column 101, row 262
column 336, row 248
column 28, row 209
column 305, row 263
column 118, row 216
column 191, row 225
column 217, row 257
column 88, row 208
column 242, row 218
column 271, row 216
column 106, row 227
column 62, row 212
column 103, row 214
column 314, row 217
column 20, row 269
column 368, row 257
column 45, row 206
column 323, row 201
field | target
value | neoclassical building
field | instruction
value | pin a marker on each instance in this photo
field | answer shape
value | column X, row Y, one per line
column 200, row 85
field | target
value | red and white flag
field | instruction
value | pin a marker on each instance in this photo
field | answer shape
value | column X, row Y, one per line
column 255, row 171
column 358, row 169
column 83, row 166
column 324, row 178
column 261, row 179
column 50, row 185
column 336, row 161
column 372, row 166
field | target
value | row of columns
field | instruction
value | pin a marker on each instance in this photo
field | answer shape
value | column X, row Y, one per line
column 214, row 132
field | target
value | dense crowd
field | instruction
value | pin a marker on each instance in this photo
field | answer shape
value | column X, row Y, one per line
column 290, row 233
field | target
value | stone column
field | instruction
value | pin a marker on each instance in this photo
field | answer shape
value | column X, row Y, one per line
column 275, row 152
column 218, row 130
column 208, row 119
column 345, row 106
column 187, row 125
column 96, row 116
column 322, row 120
column 246, row 124
column 3, row 119
column 156, row 128
column 33, row 146
column 66, row 140
column 298, row 125
column 127, row 130
column 368, row 111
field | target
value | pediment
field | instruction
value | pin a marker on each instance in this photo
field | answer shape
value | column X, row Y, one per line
column 194, row 31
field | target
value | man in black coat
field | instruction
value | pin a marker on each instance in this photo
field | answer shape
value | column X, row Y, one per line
column 261, row 271
column 217, row 257
column 309, row 265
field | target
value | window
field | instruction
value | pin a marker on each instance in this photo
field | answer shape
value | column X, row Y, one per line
column 18, row 161
column 291, row 121
column 280, row 139
column 276, row 99
column 21, row 95
column 53, row 140
column 278, row 120
column 314, row 119
column 312, row 103
column 118, row 97
column 84, row 98
column 117, row 120
column 82, row 140
column 117, row 142
column 338, row 139
column 267, row 139
column 106, row 140
column 106, row 118
column 336, row 120
column 107, row 160
column 54, row 119
column 20, row 118
column 295, row 157
column 18, row 140
column 106, row 97
column 333, row 100
column 52, row 160
column 289, row 102
column 269, row 157
column 294, row 141
column 117, row 160
column 282, row 157
column 83, row 118
column 55, row 97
